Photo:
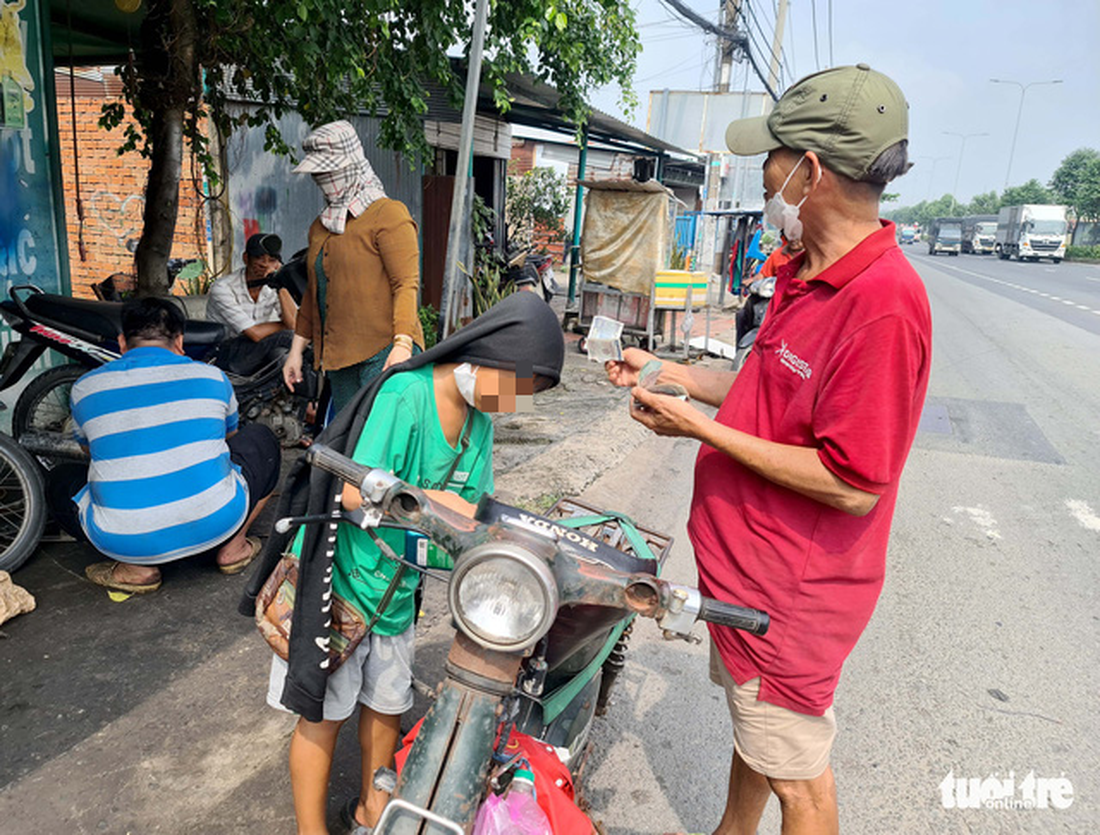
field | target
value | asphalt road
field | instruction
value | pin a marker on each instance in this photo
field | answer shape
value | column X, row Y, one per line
column 982, row 657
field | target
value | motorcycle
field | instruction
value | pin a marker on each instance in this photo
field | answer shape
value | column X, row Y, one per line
column 530, row 269
column 541, row 607
column 86, row 333
column 22, row 504
column 750, row 317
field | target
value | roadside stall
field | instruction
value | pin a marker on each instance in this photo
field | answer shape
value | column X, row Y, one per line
column 624, row 248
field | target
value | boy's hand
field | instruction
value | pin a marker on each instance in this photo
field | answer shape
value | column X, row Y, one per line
column 624, row 372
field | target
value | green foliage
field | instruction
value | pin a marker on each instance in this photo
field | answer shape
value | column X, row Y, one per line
column 329, row 59
column 487, row 282
column 990, row 202
column 195, row 279
column 925, row 211
column 984, row 204
column 429, row 323
column 1077, row 182
column 539, row 197
column 677, row 257
column 889, row 197
column 1030, row 192
column 1083, row 253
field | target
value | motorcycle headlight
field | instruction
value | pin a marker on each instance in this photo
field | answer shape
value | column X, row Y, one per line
column 502, row 596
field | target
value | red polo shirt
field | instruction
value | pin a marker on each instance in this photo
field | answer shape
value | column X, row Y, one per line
column 840, row 365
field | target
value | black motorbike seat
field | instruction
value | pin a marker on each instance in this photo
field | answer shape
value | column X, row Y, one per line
column 104, row 319
column 101, row 319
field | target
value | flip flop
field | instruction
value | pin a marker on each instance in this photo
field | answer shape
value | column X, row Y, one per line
column 103, row 574
column 347, row 817
column 240, row 565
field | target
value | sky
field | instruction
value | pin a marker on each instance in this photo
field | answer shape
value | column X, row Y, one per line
column 941, row 53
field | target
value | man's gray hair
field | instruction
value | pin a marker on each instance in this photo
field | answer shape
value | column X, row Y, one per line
column 890, row 164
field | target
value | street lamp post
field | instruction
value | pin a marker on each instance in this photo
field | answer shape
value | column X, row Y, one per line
column 932, row 173
column 1019, row 113
column 958, row 168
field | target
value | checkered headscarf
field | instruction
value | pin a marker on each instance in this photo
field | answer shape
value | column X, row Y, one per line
column 335, row 158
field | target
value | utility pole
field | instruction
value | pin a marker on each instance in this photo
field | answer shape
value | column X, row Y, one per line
column 460, row 220
column 959, row 167
column 728, row 10
column 777, row 44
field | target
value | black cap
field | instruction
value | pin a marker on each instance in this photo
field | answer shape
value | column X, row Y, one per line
column 264, row 244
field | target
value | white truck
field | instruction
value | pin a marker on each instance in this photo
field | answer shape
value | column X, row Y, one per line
column 979, row 234
column 1032, row 231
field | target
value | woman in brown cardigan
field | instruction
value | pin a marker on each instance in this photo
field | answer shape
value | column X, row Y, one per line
column 360, row 309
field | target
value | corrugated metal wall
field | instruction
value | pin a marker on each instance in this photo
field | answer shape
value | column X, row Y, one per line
column 264, row 196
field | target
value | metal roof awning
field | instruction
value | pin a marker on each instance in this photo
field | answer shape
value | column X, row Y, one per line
column 536, row 104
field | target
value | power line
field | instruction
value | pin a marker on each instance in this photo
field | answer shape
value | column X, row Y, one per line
column 768, row 39
column 736, row 38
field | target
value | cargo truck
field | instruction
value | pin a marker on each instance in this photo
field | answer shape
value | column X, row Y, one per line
column 1032, row 231
column 979, row 234
column 945, row 235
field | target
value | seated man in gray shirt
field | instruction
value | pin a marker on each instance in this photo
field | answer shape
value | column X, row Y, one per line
column 244, row 302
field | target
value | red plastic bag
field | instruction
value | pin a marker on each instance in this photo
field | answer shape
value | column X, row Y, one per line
column 553, row 782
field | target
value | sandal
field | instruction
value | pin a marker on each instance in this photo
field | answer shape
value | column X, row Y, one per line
column 240, row 565
column 103, row 574
column 347, row 816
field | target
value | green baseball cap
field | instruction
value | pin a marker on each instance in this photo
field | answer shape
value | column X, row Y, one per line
column 846, row 115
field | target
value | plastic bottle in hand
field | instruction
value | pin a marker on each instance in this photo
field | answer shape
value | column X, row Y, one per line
column 516, row 812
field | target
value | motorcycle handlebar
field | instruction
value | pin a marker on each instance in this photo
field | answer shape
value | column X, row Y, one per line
column 321, row 456
column 739, row 617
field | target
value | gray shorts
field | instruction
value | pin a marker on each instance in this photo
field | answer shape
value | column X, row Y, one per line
column 378, row 675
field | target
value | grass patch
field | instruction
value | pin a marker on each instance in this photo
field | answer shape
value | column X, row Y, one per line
column 1083, row 253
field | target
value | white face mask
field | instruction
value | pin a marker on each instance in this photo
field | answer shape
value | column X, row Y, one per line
column 466, row 380
column 779, row 213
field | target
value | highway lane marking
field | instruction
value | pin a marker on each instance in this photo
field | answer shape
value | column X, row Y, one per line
column 1021, row 287
column 981, row 517
column 1084, row 515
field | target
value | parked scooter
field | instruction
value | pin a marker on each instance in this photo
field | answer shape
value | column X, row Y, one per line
column 537, row 603
column 530, row 269
column 751, row 316
column 86, row 332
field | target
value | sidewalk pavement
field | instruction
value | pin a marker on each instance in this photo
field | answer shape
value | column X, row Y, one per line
column 148, row 715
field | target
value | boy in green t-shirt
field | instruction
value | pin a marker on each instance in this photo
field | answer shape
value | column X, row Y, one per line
column 428, row 426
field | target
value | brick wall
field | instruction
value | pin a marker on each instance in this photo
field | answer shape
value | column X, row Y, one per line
column 112, row 188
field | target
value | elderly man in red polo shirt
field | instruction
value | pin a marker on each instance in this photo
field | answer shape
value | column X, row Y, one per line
column 797, row 475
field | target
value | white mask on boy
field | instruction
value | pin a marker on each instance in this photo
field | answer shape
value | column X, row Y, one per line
column 466, row 380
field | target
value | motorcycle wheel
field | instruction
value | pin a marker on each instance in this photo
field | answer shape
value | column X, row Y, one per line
column 44, row 405
column 740, row 357
column 22, row 504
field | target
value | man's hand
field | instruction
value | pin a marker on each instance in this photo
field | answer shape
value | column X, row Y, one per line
column 624, row 372
column 398, row 354
column 665, row 415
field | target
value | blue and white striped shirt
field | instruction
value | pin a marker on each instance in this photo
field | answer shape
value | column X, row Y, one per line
column 161, row 485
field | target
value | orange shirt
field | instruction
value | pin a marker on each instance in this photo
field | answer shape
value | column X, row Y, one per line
column 777, row 259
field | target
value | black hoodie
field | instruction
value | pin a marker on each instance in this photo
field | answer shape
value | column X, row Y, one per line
column 519, row 330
